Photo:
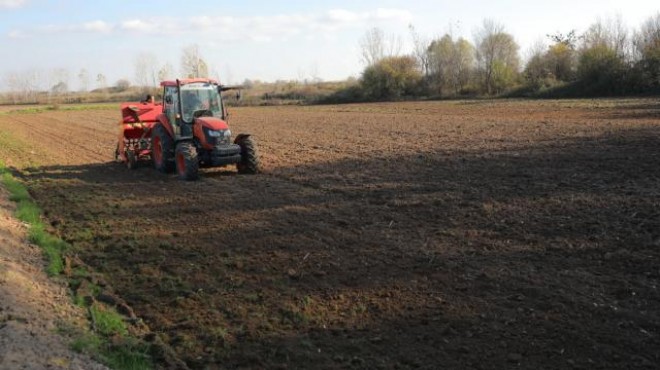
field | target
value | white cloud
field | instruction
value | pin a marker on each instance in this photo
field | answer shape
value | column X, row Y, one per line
column 12, row 3
column 15, row 34
column 97, row 26
column 227, row 28
column 139, row 25
column 399, row 15
column 380, row 14
column 342, row 16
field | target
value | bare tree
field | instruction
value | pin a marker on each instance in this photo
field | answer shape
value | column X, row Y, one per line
column 146, row 69
column 83, row 76
column 497, row 55
column 647, row 40
column 22, row 85
column 375, row 46
column 420, row 49
column 192, row 63
column 611, row 34
column 372, row 46
column 166, row 72
column 101, row 81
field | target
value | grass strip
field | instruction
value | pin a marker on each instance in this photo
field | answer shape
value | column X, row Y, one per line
column 55, row 107
column 30, row 213
column 110, row 342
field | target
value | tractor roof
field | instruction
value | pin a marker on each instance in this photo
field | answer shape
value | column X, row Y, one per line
column 188, row 81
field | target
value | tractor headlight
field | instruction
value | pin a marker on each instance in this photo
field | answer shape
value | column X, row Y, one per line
column 221, row 136
column 226, row 134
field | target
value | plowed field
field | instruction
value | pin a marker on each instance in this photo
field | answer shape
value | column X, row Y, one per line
column 492, row 235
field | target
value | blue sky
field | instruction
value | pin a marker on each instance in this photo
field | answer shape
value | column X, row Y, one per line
column 264, row 40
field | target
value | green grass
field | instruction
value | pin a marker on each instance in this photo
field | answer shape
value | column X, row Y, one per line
column 107, row 321
column 125, row 355
column 30, row 213
column 48, row 108
column 111, row 342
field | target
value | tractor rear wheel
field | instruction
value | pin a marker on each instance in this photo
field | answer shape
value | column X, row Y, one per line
column 187, row 164
column 162, row 149
column 249, row 163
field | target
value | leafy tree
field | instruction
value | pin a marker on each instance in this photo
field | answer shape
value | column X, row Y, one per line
column 451, row 64
column 497, row 57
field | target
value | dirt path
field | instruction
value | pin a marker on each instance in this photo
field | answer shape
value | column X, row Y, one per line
column 32, row 307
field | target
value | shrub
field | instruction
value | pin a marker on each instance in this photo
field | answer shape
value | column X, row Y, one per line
column 391, row 78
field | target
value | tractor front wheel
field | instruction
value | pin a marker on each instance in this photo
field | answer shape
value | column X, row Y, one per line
column 249, row 163
column 187, row 164
column 162, row 149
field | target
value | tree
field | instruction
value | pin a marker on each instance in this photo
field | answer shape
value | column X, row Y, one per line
column 83, row 76
column 192, row 63
column 536, row 70
column 375, row 46
column 391, row 78
column 420, row 50
column 166, row 72
column 450, row 64
column 146, row 69
column 603, row 55
column 101, row 81
column 372, row 45
column 463, row 64
column 60, row 88
column 440, row 63
column 497, row 57
column 22, row 85
column 647, row 50
column 123, row 84
column 561, row 61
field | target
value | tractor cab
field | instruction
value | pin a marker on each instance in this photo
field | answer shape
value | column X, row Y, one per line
column 185, row 101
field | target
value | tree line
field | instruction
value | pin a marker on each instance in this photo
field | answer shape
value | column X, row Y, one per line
column 606, row 60
column 54, row 85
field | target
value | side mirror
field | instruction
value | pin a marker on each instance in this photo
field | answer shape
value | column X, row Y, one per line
column 168, row 99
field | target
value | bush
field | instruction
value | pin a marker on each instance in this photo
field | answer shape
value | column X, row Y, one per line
column 391, row 78
column 601, row 71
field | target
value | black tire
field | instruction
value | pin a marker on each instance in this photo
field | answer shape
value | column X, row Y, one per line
column 117, row 159
column 162, row 149
column 187, row 164
column 249, row 163
column 131, row 161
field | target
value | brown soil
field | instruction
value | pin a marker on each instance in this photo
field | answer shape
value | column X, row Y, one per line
column 32, row 307
column 411, row 235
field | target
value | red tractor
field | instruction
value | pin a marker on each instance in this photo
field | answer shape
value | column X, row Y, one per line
column 188, row 130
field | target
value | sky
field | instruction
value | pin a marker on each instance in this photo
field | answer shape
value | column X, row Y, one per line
column 264, row 40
